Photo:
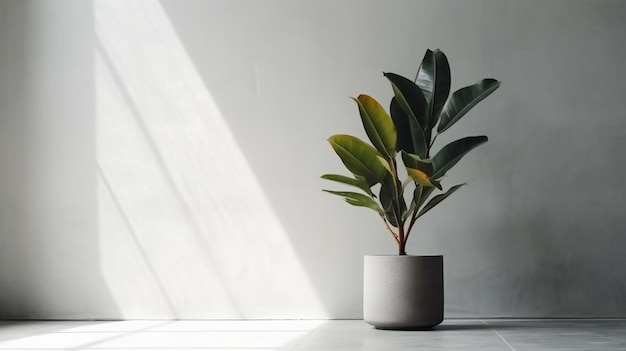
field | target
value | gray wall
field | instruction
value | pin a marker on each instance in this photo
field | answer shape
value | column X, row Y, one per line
column 163, row 161
column 49, row 249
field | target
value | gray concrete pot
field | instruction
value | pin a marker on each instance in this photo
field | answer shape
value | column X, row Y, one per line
column 403, row 292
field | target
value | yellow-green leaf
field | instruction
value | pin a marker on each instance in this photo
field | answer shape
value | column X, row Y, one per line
column 359, row 157
column 385, row 164
column 421, row 177
column 359, row 183
column 378, row 125
column 357, row 199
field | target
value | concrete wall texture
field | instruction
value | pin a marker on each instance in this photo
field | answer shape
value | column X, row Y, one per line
column 161, row 159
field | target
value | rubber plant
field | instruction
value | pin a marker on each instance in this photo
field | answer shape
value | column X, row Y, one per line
column 419, row 111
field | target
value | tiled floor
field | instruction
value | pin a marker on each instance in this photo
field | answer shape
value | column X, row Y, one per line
column 484, row 335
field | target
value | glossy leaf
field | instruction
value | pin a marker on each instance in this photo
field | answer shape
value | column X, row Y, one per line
column 433, row 78
column 386, row 200
column 411, row 99
column 420, row 170
column 392, row 200
column 437, row 199
column 359, row 157
column 409, row 211
column 385, row 164
column 450, row 154
column 421, row 194
column 378, row 125
column 414, row 161
column 357, row 199
column 411, row 136
column 359, row 183
column 422, row 178
column 416, row 108
column 464, row 100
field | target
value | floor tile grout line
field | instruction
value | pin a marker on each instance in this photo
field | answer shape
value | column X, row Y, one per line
column 500, row 336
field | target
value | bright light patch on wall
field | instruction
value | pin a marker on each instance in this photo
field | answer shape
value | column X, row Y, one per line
column 185, row 229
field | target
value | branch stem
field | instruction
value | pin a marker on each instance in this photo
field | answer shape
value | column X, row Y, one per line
column 401, row 236
column 413, row 219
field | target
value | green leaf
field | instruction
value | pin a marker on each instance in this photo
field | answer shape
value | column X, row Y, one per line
column 450, row 154
column 416, row 162
column 422, row 178
column 359, row 183
column 385, row 164
column 420, row 170
column 378, row 125
column 433, row 78
column 360, row 158
column 386, row 200
column 409, row 210
column 357, row 199
column 420, row 195
column 464, row 100
column 423, row 192
column 437, row 199
column 392, row 200
column 411, row 136
column 411, row 100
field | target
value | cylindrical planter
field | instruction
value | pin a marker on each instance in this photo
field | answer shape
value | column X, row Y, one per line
column 403, row 292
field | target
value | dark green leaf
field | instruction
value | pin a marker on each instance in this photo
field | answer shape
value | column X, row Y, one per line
column 423, row 192
column 420, row 195
column 386, row 201
column 437, row 199
column 411, row 137
column 360, row 158
column 463, row 100
column 450, row 154
column 378, row 125
column 392, row 200
column 409, row 211
column 411, row 99
column 433, row 78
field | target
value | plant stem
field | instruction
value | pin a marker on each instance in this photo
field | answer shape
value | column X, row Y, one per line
column 400, row 237
column 402, row 243
column 432, row 142
column 413, row 219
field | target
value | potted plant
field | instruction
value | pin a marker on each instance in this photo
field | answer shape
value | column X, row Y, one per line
column 404, row 291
